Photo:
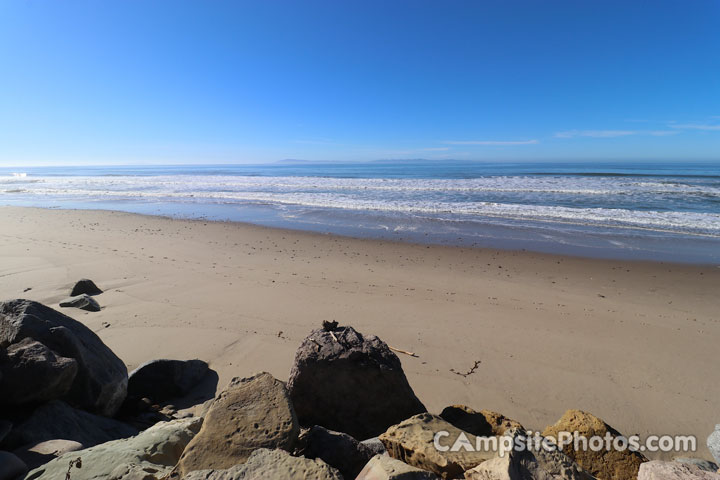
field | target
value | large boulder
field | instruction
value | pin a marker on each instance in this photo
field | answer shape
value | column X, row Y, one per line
column 11, row 467
column 383, row 467
column 158, row 448
column 58, row 420
column 534, row 463
column 659, row 470
column 83, row 302
column 161, row 380
column 85, row 286
column 251, row 413
column 337, row 449
column 32, row 373
column 350, row 383
column 713, row 443
column 610, row 464
column 430, row 443
column 483, row 423
column 264, row 463
column 100, row 384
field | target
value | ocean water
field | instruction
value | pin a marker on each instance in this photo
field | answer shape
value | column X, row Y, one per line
column 661, row 211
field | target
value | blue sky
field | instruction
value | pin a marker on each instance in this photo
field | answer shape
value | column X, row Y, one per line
column 215, row 82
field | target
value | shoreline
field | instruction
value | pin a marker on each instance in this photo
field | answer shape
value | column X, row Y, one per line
column 628, row 340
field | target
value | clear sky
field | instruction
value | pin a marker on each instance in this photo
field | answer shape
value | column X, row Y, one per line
column 215, row 82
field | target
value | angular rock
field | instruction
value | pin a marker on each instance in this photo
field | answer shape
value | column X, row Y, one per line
column 251, row 413
column 528, row 464
column 414, row 442
column 375, row 446
column 350, row 383
column 11, row 467
column 161, row 380
column 85, row 286
column 264, row 463
column 698, row 462
column 713, row 443
column 39, row 454
column 659, row 470
column 158, row 447
column 57, row 419
column 604, row 464
column 383, row 467
column 32, row 373
column 100, row 384
column 83, row 302
column 338, row 450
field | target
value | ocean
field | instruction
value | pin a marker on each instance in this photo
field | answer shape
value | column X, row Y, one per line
column 650, row 211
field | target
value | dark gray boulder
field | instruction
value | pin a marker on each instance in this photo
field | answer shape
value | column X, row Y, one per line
column 11, row 467
column 161, row 380
column 337, row 449
column 32, row 373
column 350, row 383
column 100, row 384
column 58, row 420
column 83, row 302
column 85, row 286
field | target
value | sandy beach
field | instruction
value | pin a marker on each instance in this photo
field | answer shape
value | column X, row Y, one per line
column 632, row 342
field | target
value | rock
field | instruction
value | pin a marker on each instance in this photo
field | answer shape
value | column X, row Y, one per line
column 271, row 464
column 413, row 442
column 83, row 302
column 251, row 413
column 338, row 450
column 528, row 464
column 604, row 464
column 100, row 384
column 5, row 427
column 713, row 443
column 484, row 423
column 32, row 373
column 659, row 470
column 11, row 467
column 57, row 419
column 41, row 453
column 383, row 467
column 375, row 446
column 158, row 447
column 698, row 462
column 85, row 286
column 133, row 471
column 161, row 380
column 342, row 380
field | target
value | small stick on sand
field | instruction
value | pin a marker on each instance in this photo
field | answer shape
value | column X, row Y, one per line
column 402, row 351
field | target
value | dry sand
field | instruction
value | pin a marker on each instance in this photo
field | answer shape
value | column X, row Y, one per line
column 632, row 342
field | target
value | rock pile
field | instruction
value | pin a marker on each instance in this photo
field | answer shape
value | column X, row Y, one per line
column 347, row 412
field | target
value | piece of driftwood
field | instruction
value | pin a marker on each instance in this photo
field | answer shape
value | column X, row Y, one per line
column 402, row 351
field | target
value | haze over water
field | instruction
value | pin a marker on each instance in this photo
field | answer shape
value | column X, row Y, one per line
column 660, row 211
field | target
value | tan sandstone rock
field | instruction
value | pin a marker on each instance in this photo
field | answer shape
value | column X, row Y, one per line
column 412, row 441
column 251, row 413
column 384, row 467
column 604, row 464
